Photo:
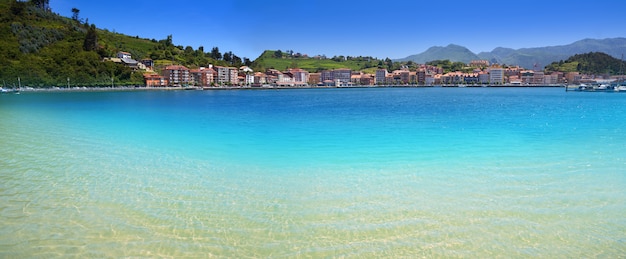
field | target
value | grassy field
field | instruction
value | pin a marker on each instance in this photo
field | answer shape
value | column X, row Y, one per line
column 268, row 60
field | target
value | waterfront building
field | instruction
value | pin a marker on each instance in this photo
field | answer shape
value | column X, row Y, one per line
column 401, row 76
column 355, row 78
column 342, row 75
column 470, row 78
column 299, row 75
column 259, row 79
column 202, row 76
column 532, row 77
column 274, row 76
column 233, row 75
column 483, row 77
column 176, row 75
column 429, row 80
column 573, row 77
column 451, row 78
column 226, row 75
column 223, row 75
column 367, row 79
column 246, row 75
column 551, row 79
column 327, row 75
column 315, row 78
column 538, row 78
column 420, row 76
column 526, row 76
column 381, row 74
column 154, row 80
column 496, row 76
column 512, row 71
column 389, row 79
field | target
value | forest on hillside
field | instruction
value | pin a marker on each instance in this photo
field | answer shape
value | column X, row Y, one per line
column 44, row 49
column 596, row 63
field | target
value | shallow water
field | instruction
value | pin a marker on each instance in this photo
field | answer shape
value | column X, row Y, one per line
column 420, row 172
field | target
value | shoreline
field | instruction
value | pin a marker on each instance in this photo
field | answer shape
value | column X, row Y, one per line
column 180, row 88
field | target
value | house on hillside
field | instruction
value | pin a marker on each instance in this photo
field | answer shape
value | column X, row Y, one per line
column 149, row 63
column 126, row 59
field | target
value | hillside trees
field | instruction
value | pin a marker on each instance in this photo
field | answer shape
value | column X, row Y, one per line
column 17, row 7
column 41, row 4
column 447, row 65
column 91, row 39
column 43, row 49
column 589, row 63
column 215, row 53
column 75, row 13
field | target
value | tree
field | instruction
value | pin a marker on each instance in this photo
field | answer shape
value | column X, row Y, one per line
column 247, row 62
column 166, row 43
column 228, row 56
column 389, row 64
column 91, row 39
column 41, row 4
column 189, row 50
column 75, row 13
column 215, row 53
column 236, row 60
column 278, row 54
column 200, row 52
column 17, row 7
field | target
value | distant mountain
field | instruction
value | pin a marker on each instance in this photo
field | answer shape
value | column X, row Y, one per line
column 525, row 57
column 451, row 52
column 542, row 56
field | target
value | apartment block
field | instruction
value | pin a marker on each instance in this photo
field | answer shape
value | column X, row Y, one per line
column 381, row 74
column 343, row 76
column 177, row 75
column 203, row 76
column 496, row 75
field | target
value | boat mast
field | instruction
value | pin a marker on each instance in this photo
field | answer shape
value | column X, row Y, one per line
column 621, row 69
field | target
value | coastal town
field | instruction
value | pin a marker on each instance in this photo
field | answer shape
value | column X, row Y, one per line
column 482, row 73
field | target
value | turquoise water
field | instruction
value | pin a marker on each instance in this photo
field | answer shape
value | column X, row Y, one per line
column 382, row 172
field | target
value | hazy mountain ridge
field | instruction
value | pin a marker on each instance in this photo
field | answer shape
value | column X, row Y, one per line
column 525, row 57
column 451, row 52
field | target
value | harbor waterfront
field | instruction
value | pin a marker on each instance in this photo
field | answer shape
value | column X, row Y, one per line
column 355, row 173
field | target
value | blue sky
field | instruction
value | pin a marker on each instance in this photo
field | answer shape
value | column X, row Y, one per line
column 381, row 29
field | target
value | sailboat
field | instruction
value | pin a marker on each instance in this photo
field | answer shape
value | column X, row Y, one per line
column 2, row 90
column 19, row 86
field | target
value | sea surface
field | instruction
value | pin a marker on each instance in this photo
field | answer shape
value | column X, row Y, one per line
column 313, row 173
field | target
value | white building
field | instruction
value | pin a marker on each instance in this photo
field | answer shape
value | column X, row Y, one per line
column 496, row 75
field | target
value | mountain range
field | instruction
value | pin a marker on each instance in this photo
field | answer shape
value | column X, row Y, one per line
column 524, row 57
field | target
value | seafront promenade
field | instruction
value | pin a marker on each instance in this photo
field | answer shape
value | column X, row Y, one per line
column 179, row 88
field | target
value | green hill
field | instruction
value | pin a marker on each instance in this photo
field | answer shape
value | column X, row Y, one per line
column 44, row 49
column 280, row 60
column 590, row 63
